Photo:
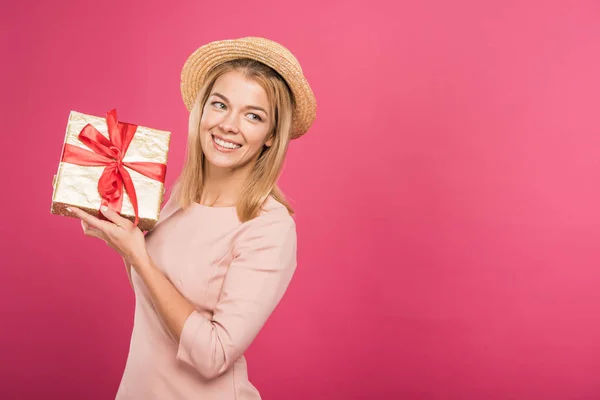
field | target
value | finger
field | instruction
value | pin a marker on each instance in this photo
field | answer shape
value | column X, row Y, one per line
column 95, row 234
column 87, row 228
column 92, row 232
column 114, row 216
column 89, row 219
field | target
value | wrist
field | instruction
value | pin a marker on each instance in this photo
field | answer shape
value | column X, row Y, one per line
column 141, row 261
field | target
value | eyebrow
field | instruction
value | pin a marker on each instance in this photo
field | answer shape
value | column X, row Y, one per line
column 252, row 107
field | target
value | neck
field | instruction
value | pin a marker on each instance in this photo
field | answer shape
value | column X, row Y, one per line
column 222, row 187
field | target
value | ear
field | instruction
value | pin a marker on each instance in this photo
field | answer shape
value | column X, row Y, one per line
column 269, row 141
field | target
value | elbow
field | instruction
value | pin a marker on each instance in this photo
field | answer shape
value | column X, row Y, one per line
column 212, row 372
column 209, row 367
column 201, row 348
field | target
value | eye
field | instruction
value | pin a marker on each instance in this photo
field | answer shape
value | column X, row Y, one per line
column 216, row 103
column 258, row 118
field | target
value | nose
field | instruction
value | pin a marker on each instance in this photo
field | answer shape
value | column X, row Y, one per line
column 229, row 124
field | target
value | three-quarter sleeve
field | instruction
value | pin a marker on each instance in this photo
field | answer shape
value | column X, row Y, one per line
column 263, row 265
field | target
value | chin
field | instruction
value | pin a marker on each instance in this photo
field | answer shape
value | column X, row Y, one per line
column 218, row 160
column 224, row 161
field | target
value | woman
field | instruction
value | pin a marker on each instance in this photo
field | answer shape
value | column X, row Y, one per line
column 223, row 251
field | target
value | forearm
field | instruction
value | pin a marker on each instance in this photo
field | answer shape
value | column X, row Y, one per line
column 173, row 308
column 128, row 270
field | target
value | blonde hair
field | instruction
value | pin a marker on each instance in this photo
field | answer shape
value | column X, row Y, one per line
column 262, row 180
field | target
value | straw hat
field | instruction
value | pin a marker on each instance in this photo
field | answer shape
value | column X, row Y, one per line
column 271, row 53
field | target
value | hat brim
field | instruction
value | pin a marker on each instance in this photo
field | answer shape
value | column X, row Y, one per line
column 271, row 53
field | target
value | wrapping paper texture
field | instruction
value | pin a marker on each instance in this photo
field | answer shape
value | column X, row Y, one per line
column 78, row 185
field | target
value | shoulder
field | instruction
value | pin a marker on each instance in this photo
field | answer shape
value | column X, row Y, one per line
column 273, row 213
column 273, row 226
column 274, row 208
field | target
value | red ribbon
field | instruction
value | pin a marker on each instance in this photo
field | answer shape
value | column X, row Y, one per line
column 110, row 152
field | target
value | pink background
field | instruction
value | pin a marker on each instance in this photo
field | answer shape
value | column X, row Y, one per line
column 447, row 196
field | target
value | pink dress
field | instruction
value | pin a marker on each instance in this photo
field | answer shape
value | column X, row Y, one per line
column 235, row 274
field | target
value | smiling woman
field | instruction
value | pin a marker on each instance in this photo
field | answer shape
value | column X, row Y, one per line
column 242, row 121
column 232, row 136
column 223, row 252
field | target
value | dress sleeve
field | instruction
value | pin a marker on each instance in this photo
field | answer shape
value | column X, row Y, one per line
column 262, row 268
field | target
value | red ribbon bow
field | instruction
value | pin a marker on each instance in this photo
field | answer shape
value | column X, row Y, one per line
column 110, row 152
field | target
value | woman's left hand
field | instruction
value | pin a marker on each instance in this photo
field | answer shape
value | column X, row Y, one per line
column 118, row 232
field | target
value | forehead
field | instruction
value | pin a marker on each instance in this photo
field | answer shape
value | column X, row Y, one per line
column 240, row 89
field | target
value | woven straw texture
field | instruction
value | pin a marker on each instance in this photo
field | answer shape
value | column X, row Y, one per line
column 271, row 53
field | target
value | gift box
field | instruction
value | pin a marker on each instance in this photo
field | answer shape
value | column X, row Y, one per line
column 107, row 162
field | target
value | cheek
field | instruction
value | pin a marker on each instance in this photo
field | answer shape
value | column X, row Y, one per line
column 208, row 120
column 256, row 135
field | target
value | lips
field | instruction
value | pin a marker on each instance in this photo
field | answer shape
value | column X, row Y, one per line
column 224, row 146
column 225, row 140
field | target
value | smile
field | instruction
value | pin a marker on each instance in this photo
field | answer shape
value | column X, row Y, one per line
column 225, row 145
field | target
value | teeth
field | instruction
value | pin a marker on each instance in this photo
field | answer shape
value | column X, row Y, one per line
column 227, row 145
